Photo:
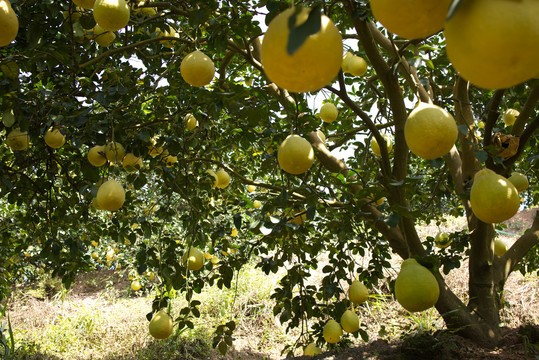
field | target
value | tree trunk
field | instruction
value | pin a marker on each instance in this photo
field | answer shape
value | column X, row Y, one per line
column 483, row 295
column 460, row 319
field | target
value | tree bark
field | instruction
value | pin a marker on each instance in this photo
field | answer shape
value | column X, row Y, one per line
column 483, row 292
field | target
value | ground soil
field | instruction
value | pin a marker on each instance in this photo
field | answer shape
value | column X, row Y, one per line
column 520, row 319
column 440, row 346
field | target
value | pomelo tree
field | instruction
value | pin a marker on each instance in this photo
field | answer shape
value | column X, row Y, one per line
column 56, row 75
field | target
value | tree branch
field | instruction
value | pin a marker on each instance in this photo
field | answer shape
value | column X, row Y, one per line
column 343, row 95
column 464, row 116
column 492, row 115
column 409, row 73
column 110, row 52
column 334, row 165
column 393, row 92
column 504, row 265
column 526, row 112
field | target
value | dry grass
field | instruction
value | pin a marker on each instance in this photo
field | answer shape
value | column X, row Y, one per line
column 110, row 325
column 99, row 320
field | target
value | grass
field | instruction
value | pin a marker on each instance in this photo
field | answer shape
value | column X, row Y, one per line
column 110, row 326
column 99, row 318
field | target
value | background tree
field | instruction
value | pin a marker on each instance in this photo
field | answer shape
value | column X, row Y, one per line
column 132, row 92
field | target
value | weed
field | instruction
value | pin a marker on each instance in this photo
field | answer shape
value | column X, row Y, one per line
column 424, row 321
column 7, row 339
column 529, row 335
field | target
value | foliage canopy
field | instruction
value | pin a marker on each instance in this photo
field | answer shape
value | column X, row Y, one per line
column 132, row 92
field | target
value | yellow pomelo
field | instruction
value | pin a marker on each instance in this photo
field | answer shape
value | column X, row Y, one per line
column 358, row 292
column 312, row 350
column 251, row 188
column 346, row 61
column 500, row 247
column 95, row 204
column 416, row 287
column 102, row 37
column 197, row 69
column 223, row 179
column 96, row 155
column 54, row 138
column 135, row 285
column 161, row 325
column 114, row 152
column 494, row 44
column 95, row 255
column 257, row 204
column 332, row 332
column 110, row 195
column 17, row 139
column 85, row 4
column 194, row 260
column 519, row 180
column 442, row 240
column 295, row 155
column 190, row 122
column 111, row 15
column 148, row 11
column 411, row 19
column 350, row 321
column 357, row 66
column 216, row 179
column 9, row 23
column 510, row 116
column 376, row 148
column 144, row 11
column 131, row 162
column 430, row 131
column 329, row 112
column 314, row 65
column 493, row 198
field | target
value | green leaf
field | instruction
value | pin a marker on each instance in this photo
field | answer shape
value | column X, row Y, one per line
column 481, row 155
column 222, row 347
column 265, row 230
column 298, row 35
column 364, row 335
column 392, row 220
column 237, row 221
column 231, row 325
column 463, row 129
column 87, row 21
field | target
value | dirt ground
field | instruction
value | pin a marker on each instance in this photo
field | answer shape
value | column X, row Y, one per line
column 520, row 318
column 520, row 338
column 442, row 346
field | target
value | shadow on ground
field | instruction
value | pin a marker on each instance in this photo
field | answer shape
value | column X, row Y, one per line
column 516, row 344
